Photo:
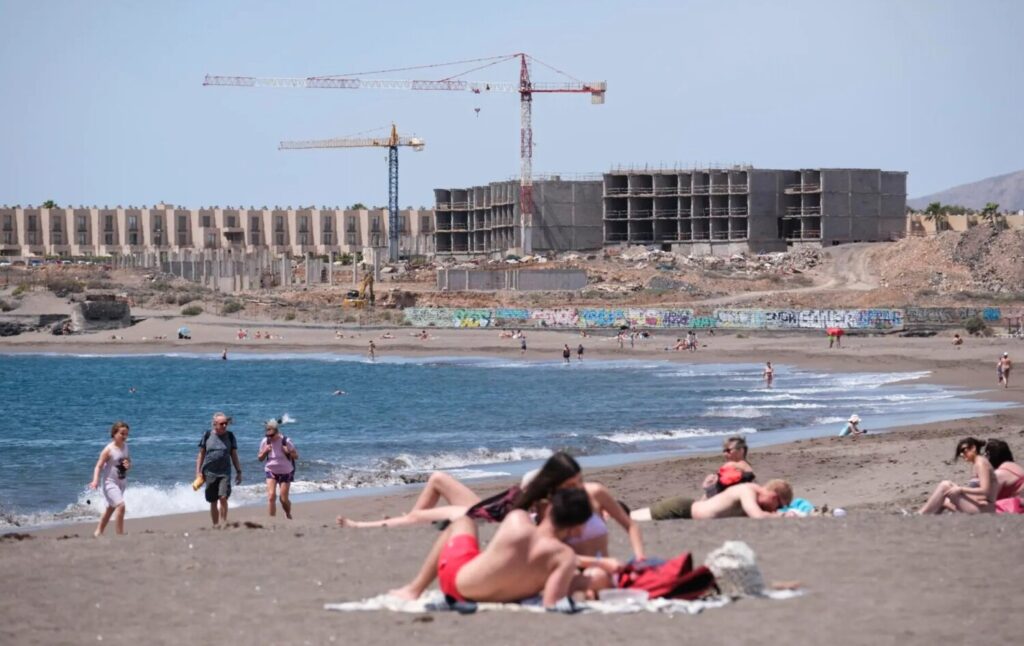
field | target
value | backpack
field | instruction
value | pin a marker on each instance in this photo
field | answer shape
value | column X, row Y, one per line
column 284, row 444
column 674, row 579
column 495, row 508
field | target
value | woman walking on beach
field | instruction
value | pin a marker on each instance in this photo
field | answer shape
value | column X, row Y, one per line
column 280, row 456
column 112, row 471
column 979, row 496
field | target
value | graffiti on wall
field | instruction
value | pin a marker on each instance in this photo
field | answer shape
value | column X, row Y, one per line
column 741, row 319
column 863, row 319
column 951, row 315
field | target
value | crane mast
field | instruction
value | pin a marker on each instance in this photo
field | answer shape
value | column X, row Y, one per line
column 392, row 143
column 526, row 89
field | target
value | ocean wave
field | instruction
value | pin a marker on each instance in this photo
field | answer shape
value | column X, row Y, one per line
column 754, row 398
column 407, row 462
column 828, row 420
column 744, row 412
column 637, row 437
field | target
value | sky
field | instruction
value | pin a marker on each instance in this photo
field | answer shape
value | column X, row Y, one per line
column 104, row 102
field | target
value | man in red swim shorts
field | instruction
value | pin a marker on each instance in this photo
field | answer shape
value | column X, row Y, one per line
column 522, row 560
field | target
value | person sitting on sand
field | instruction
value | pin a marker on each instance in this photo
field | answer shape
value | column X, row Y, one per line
column 748, row 499
column 1009, row 474
column 736, row 469
column 852, row 427
column 979, row 496
column 522, row 560
column 560, row 471
column 957, row 341
column 387, row 335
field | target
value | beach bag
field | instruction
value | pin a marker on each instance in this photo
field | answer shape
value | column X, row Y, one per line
column 495, row 508
column 284, row 443
column 1010, row 506
column 674, row 579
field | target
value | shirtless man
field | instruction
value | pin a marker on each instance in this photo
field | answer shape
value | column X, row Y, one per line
column 748, row 499
column 521, row 560
column 1003, row 367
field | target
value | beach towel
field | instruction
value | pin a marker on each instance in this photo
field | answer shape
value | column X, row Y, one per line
column 434, row 601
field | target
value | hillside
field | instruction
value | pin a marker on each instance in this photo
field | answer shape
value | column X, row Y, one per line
column 1005, row 190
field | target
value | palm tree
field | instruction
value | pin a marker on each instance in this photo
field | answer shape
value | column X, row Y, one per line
column 935, row 214
column 991, row 215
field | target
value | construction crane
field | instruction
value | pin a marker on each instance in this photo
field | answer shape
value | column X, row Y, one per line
column 526, row 88
column 391, row 143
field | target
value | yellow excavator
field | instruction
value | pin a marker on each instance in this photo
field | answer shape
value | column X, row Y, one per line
column 361, row 297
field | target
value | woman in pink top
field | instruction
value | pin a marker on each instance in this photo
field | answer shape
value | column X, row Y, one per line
column 280, row 456
column 112, row 470
column 1009, row 474
column 978, row 496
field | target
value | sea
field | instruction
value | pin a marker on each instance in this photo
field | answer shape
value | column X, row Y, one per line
column 366, row 426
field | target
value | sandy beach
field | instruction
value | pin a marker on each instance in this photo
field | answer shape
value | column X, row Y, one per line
column 875, row 576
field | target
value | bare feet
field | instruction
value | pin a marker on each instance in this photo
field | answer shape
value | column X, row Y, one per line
column 288, row 514
column 405, row 592
column 97, row 534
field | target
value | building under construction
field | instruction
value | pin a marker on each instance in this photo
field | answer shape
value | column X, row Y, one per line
column 717, row 211
column 486, row 219
column 729, row 210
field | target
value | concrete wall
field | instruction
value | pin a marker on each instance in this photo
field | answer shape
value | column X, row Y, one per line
column 806, row 319
column 511, row 279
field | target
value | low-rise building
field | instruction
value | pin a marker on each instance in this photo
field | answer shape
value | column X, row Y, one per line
column 105, row 231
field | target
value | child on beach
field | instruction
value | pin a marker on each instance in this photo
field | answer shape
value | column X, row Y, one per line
column 112, row 469
column 979, row 496
column 280, row 455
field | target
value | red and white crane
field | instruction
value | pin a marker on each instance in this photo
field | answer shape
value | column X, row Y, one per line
column 525, row 87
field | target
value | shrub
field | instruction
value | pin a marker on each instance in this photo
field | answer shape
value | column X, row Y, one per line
column 186, row 298
column 64, row 286
column 20, row 289
column 290, row 316
column 192, row 310
column 231, row 307
column 6, row 307
column 976, row 326
column 170, row 299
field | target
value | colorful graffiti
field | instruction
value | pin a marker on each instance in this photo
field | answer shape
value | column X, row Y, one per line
column 865, row 319
column 951, row 315
column 742, row 319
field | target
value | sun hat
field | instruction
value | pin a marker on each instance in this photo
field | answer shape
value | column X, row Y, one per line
column 1006, row 354
column 855, row 418
column 272, row 423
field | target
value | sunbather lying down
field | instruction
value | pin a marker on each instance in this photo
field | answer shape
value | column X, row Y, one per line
column 751, row 500
column 521, row 561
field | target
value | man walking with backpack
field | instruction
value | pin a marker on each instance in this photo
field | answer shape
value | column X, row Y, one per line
column 280, row 456
column 218, row 450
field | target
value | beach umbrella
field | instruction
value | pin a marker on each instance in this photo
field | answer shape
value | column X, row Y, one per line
column 184, row 331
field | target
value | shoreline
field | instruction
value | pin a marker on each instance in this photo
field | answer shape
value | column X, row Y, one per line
column 782, row 358
column 177, row 579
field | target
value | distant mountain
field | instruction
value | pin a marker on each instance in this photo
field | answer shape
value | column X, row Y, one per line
column 1005, row 190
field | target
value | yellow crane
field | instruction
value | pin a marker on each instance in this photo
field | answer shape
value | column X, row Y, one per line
column 391, row 143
